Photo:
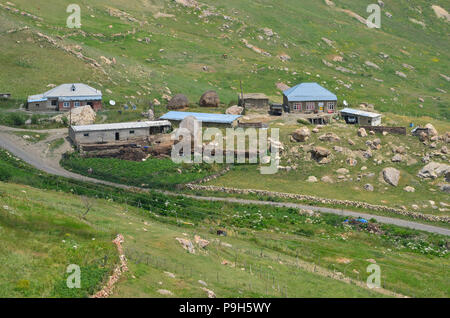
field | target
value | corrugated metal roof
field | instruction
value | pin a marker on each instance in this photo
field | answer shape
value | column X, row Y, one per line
column 69, row 92
column 255, row 96
column 119, row 126
column 309, row 92
column 360, row 113
column 203, row 117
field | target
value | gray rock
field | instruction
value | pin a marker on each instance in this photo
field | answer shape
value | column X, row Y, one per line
column 391, row 176
column 434, row 170
column 369, row 187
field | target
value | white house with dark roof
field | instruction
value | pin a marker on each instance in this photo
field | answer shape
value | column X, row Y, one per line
column 66, row 96
column 309, row 98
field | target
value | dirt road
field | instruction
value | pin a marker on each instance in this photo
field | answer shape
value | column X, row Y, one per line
column 39, row 160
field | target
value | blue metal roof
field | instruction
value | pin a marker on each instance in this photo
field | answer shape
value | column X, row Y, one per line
column 309, row 92
column 203, row 117
column 358, row 112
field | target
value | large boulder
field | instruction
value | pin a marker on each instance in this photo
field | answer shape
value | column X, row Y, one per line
column 301, row 134
column 320, row 154
column 179, row 101
column 331, row 137
column 362, row 132
column 78, row 116
column 235, row 110
column 209, row 99
column 434, row 170
column 431, row 130
column 391, row 176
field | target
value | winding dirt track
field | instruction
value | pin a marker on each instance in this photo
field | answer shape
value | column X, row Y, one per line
column 34, row 158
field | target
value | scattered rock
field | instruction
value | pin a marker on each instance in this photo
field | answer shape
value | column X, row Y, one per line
column 409, row 189
column 80, row 116
column 165, row 292
column 301, row 135
column 391, row 176
column 235, row 110
column 201, row 242
column 312, row 179
column 434, row 170
column 362, row 132
column 179, row 101
column 397, row 158
column 369, row 187
column 209, row 99
column 327, row 179
column 351, row 162
column 187, row 245
column 331, row 137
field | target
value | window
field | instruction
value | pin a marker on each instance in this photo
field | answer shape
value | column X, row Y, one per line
column 86, row 135
column 37, row 105
column 77, row 104
column 54, row 102
column 310, row 106
column 66, row 104
column 131, row 132
column 331, row 106
column 297, row 106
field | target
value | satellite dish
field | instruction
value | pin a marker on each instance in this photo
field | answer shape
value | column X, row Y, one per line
column 345, row 103
column 112, row 102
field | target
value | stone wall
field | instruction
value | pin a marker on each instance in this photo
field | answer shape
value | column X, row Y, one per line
column 302, row 197
column 391, row 130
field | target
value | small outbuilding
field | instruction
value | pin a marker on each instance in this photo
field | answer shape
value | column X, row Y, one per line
column 254, row 100
column 105, row 133
column 360, row 117
column 211, row 120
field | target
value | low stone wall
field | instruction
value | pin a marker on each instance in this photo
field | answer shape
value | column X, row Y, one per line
column 302, row 197
column 213, row 177
column 391, row 130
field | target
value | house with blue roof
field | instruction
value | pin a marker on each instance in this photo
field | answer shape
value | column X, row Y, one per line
column 207, row 119
column 309, row 98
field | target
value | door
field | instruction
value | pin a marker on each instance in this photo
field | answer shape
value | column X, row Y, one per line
column 117, row 136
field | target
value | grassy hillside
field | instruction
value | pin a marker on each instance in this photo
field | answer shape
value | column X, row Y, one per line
column 273, row 252
column 161, row 47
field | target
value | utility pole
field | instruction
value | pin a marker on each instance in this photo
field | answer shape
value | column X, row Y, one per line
column 70, row 117
column 242, row 98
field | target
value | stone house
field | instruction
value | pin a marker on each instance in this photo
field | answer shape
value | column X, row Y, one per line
column 309, row 98
column 65, row 97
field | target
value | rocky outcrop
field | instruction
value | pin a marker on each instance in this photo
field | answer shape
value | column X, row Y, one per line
column 78, row 116
column 434, row 170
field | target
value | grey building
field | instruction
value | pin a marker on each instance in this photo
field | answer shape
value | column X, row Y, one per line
column 92, row 134
column 254, row 100
column 360, row 117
